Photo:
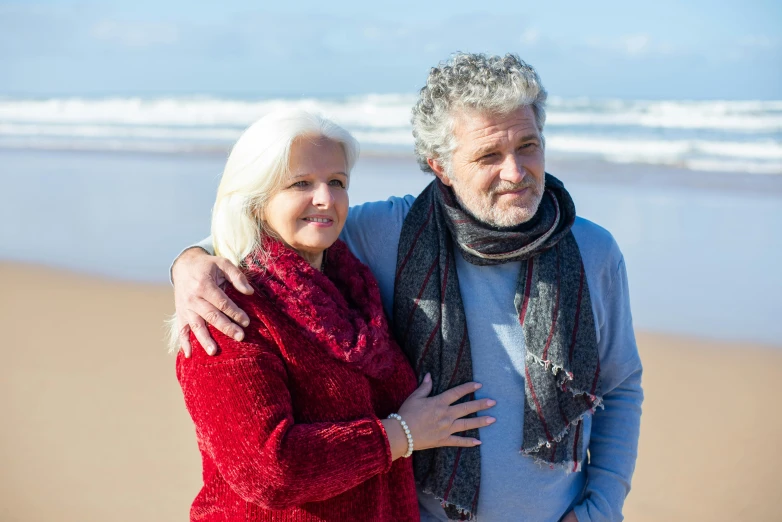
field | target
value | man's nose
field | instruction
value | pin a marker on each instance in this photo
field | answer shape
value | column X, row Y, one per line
column 512, row 169
column 322, row 197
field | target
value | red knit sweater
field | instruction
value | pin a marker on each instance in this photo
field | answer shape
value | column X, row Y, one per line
column 288, row 421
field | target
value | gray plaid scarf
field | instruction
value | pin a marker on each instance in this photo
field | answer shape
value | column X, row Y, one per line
column 562, row 370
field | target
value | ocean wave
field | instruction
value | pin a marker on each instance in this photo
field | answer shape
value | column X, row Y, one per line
column 762, row 157
column 113, row 131
column 666, row 149
column 388, row 111
column 745, row 135
column 380, row 111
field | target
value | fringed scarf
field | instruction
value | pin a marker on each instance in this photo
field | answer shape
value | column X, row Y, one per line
column 562, row 369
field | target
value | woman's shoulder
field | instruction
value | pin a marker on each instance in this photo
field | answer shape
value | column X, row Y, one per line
column 257, row 340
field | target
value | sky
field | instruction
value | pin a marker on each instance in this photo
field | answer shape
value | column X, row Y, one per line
column 662, row 49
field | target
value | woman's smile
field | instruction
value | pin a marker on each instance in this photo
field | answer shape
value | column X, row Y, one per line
column 319, row 221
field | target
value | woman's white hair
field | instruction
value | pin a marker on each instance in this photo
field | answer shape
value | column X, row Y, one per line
column 491, row 84
column 257, row 168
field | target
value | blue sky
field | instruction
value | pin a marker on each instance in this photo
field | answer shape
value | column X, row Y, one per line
column 660, row 49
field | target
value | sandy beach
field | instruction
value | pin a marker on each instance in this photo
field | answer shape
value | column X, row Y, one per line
column 94, row 427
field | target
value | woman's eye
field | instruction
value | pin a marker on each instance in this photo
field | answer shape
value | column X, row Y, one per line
column 300, row 184
column 337, row 183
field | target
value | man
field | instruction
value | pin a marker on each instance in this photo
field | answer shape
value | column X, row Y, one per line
column 489, row 275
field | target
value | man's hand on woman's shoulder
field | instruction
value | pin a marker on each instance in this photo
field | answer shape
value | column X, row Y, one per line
column 199, row 298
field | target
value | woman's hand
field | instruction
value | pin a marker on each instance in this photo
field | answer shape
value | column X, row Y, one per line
column 434, row 420
column 199, row 300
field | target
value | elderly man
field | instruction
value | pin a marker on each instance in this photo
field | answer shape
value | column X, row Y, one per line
column 490, row 276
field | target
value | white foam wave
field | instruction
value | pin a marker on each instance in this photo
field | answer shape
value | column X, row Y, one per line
column 750, row 167
column 109, row 145
column 756, row 157
column 113, row 131
column 382, row 111
column 672, row 149
column 388, row 111
column 743, row 116
column 746, row 135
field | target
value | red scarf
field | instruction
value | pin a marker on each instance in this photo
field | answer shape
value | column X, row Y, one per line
column 339, row 310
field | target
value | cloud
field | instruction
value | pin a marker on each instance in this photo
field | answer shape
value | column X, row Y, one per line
column 135, row 35
column 530, row 36
column 760, row 42
column 636, row 44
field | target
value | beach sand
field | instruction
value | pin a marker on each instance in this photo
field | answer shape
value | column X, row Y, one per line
column 94, row 427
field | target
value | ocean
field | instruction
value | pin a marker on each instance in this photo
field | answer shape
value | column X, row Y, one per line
column 731, row 136
column 691, row 190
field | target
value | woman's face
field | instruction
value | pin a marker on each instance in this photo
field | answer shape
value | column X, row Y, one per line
column 310, row 209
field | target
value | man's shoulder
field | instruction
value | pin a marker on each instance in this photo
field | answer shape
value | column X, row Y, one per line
column 595, row 239
column 394, row 206
column 372, row 231
column 369, row 221
column 600, row 253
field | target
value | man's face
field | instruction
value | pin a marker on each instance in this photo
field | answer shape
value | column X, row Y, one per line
column 498, row 167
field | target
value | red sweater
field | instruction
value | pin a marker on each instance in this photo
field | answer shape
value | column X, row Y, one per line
column 288, row 421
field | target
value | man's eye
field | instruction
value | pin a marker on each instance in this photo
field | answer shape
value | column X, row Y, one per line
column 488, row 156
column 337, row 183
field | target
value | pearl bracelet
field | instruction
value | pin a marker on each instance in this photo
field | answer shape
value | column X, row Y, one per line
column 407, row 433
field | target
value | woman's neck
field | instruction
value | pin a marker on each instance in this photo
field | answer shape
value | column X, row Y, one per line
column 314, row 259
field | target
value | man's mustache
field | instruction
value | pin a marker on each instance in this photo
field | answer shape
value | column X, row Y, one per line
column 506, row 186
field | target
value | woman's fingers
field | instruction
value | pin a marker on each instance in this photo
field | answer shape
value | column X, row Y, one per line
column 466, row 408
column 472, row 423
column 424, row 389
column 461, row 442
column 457, row 392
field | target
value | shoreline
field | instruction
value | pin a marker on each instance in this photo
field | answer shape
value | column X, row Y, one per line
column 581, row 170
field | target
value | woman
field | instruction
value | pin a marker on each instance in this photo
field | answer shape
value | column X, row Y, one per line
column 312, row 415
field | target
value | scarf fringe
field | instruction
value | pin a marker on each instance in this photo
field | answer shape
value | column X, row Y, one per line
column 597, row 402
column 564, row 466
column 463, row 511
column 555, row 368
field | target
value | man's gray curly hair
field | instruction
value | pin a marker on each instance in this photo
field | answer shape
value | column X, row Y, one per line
column 489, row 84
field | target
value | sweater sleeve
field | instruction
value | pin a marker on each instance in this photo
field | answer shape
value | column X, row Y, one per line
column 205, row 244
column 613, row 444
column 241, row 406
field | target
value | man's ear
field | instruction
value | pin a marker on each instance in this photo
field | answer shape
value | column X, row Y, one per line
column 439, row 171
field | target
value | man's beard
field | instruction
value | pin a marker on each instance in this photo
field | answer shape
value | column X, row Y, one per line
column 485, row 208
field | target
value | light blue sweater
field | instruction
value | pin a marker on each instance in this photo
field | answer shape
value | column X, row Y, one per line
column 513, row 487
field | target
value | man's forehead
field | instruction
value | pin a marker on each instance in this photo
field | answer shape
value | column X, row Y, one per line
column 476, row 126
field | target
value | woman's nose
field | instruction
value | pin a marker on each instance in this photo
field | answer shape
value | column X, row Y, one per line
column 322, row 196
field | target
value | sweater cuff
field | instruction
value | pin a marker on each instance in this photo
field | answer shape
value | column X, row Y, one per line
column 386, row 443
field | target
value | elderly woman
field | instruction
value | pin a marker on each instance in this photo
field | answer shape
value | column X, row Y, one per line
column 313, row 414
